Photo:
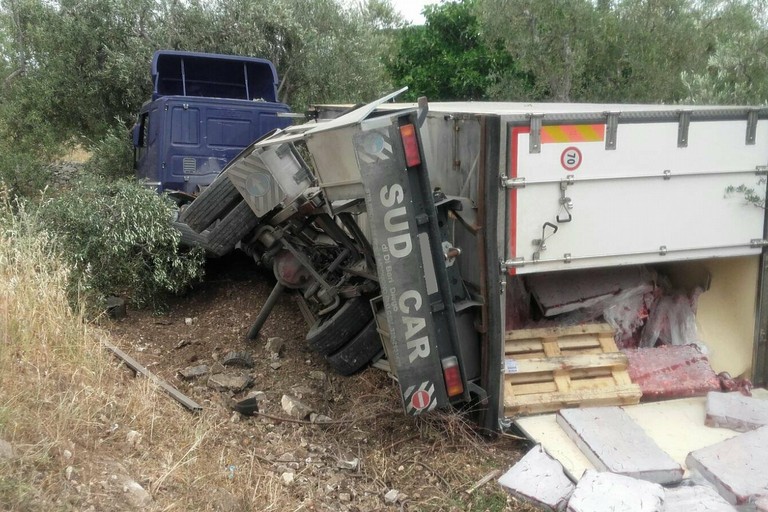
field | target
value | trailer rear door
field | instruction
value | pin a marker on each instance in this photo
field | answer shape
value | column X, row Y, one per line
column 637, row 187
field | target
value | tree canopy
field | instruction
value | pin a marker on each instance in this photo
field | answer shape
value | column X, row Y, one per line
column 79, row 69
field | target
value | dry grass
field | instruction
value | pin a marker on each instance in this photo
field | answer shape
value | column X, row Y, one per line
column 64, row 402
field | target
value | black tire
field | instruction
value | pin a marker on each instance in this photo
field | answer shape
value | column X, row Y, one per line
column 190, row 237
column 212, row 202
column 231, row 229
column 356, row 354
column 331, row 332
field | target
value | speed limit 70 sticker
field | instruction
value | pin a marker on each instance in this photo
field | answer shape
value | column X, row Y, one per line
column 571, row 158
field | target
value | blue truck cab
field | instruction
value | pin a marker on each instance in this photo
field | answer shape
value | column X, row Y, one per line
column 205, row 109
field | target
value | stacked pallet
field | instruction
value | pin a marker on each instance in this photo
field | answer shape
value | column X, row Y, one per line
column 548, row 369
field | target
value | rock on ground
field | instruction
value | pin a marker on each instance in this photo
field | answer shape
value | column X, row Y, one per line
column 6, row 450
column 295, row 408
column 230, row 381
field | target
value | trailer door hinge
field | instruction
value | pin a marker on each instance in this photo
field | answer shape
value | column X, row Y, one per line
column 752, row 117
column 758, row 242
column 507, row 182
column 683, row 124
column 512, row 263
column 611, row 128
column 534, row 141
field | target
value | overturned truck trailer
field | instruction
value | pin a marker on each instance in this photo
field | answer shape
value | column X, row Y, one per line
column 449, row 235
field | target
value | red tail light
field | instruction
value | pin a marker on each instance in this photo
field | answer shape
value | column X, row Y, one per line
column 452, row 376
column 411, row 145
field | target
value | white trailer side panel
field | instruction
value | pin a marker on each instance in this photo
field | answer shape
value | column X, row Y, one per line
column 647, row 200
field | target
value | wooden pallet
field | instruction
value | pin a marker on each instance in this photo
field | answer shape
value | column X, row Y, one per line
column 552, row 368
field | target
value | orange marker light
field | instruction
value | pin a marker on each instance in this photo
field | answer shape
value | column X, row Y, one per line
column 452, row 376
column 411, row 145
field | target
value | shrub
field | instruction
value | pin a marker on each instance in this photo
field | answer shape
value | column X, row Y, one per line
column 22, row 174
column 118, row 239
column 112, row 156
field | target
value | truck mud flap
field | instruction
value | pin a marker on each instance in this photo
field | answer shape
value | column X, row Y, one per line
column 211, row 204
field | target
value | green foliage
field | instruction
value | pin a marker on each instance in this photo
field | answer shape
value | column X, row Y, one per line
column 736, row 70
column 22, row 174
column 447, row 59
column 118, row 239
column 751, row 195
column 112, row 155
column 70, row 68
column 635, row 50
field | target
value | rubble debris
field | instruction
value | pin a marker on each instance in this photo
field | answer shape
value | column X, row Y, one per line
column 115, row 307
column 6, row 450
column 694, row 498
column 609, row 492
column 247, row 406
column 350, row 465
column 736, row 411
column 244, row 359
column 189, row 321
column 295, row 408
column 319, row 418
column 288, row 477
column 390, row 498
column 317, row 375
column 274, row 347
column 737, row 467
column 275, row 365
column 259, row 396
column 69, row 472
column 613, row 442
column 671, row 372
column 135, row 493
column 229, row 381
column 300, row 391
column 191, row 372
column 539, row 479
column 133, row 438
column 182, row 344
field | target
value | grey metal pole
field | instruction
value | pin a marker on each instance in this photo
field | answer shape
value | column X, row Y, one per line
column 266, row 309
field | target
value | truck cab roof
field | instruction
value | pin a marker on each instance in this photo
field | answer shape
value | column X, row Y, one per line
column 180, row 73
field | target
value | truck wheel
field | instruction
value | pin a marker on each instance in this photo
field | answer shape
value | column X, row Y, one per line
column 231, row 229
column 210, row 204
column 356, row 354
column 331, row 332
column 190, row 237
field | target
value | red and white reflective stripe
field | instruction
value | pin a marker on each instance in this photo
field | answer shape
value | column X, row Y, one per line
column 418, row 400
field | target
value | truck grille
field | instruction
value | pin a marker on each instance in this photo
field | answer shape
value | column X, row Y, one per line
column 189, row 165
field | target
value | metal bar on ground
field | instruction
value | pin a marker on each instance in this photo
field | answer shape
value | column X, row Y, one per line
column 139, row 368
column 266, row 309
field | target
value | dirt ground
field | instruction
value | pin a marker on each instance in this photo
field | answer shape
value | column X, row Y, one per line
column 369, row 449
